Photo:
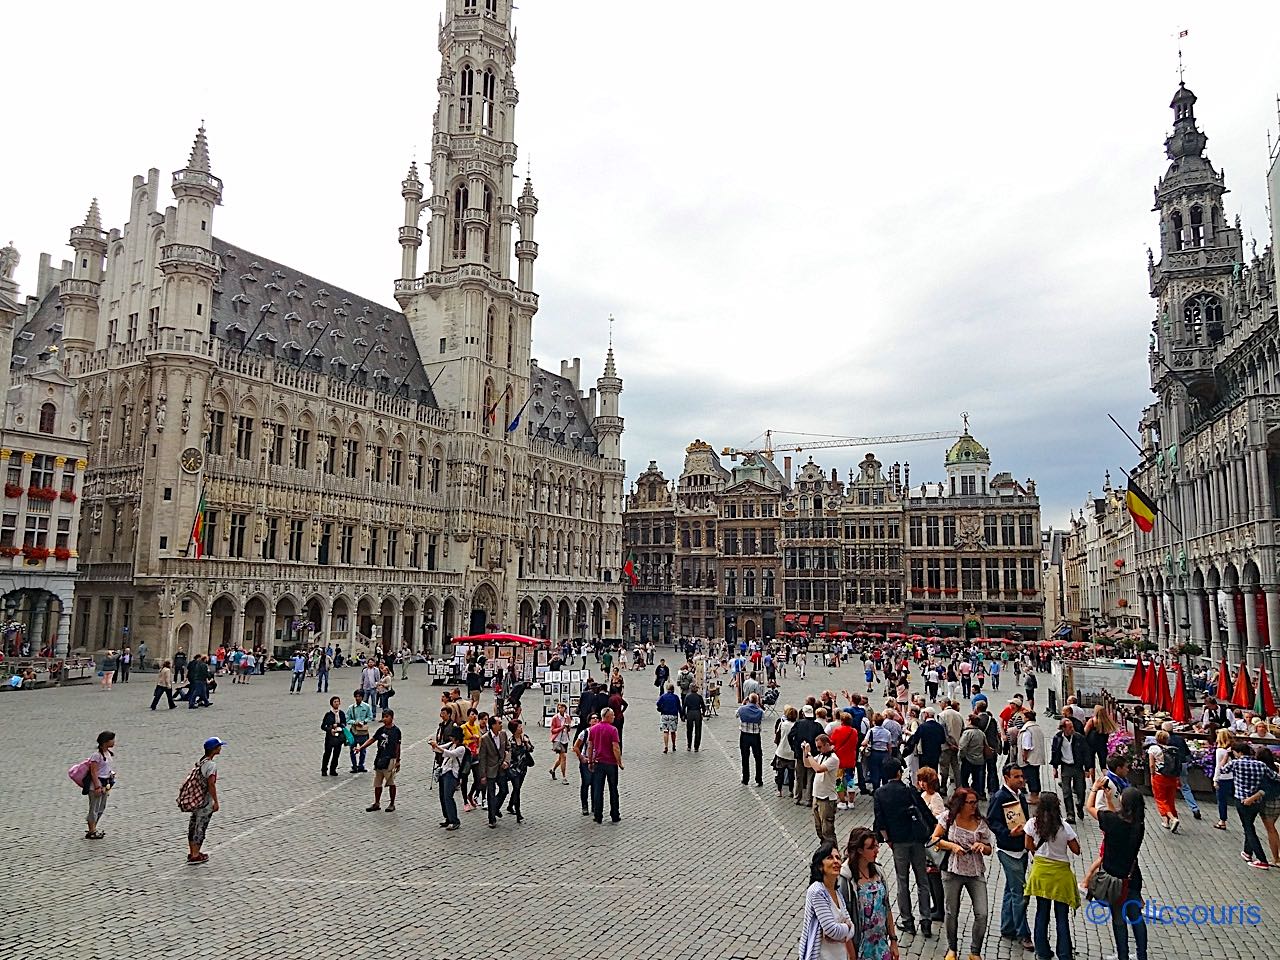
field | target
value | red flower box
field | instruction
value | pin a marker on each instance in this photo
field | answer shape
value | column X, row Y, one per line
column 47, row 494
column 950, row 590
column 67, row 496
column 13, row 490
column 10, row 551
column 36, row 553
column 62, row 553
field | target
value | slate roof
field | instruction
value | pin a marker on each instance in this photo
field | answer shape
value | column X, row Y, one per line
column 555, row 411
column 280, row 311
column 42, row 330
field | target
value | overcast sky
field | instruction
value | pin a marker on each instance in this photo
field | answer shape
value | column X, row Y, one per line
column 831, row 218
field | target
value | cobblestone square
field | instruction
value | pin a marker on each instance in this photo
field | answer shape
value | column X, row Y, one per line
column 700, row 867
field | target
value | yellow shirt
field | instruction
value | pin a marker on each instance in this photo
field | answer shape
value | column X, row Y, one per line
column 471, row 734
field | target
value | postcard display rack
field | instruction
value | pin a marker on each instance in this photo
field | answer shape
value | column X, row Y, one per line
column 561, row 686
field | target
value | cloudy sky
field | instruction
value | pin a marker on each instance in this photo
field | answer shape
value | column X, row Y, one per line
column 837, row 218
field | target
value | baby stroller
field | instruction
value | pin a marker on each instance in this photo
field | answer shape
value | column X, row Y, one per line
column 770, row 699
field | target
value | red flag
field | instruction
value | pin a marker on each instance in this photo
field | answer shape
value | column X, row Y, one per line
column 1242, row 695
column 1265, row 701
column 1139, row 680
column 1150, row 695
column 629, row 568
column 1224, row 682
column 1181, row 712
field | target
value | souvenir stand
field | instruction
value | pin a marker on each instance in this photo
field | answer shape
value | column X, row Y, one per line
column 561, row 686
column 528, row 655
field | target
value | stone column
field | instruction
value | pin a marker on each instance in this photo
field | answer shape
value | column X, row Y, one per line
column 237, row 626
column 1234, row 652
column 1169, row 624
column 1195, row 614
column 437, row 635
column 397, row 622
column 415, row 642
column 1252, row 637
column 1180, row 615
column 1152, row 604
column 1272, row 592
column 326, row 622
column 1215, row 648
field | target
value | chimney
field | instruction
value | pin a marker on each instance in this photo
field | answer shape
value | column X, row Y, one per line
column 834, row 476
column 786, row 469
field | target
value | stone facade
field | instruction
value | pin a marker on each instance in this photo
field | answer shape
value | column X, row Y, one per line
column 362, row 474
column 696, row 590
column 649, row 534
column 750, row 560
column 972, row 550
column 812, row 551
column 1209, row 571
column 872, row 517
column 43, row 451
column 1101, row 552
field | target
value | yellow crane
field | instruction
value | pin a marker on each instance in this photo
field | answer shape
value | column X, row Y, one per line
column 826, row 442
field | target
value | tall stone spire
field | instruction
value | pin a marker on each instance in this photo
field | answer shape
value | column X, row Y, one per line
column 93, row 219
column 199, row 159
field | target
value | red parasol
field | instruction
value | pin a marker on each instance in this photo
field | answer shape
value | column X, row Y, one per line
column 1264, row 699
column 1150, row 695
column 1139, row 681
column 1162, row 690
column 1242, row 695
column 1180, row 711
column 1224, row 682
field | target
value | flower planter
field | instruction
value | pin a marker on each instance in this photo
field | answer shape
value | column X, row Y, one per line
column 13, row 490
column 67, row 496
column 45, row 494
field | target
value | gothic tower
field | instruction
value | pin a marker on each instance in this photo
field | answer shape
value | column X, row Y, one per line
column 471, row 319
column 1191, row 280
column 79, row 293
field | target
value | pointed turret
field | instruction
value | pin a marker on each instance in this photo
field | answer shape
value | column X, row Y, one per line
column 410, row 232
column 79, row 292
column 608, row 425
column 199, row 159
column 188, row 257
column 526, row 248
column 93, row 219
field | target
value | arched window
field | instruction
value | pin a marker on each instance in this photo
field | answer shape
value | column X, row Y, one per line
column 466, row 91
column 511, row 337
column 487, row 405
column 490, row 7
column 48, row 417
column 1175, row 224
column 488, row 209
column 1197, row 227
column 459, row 227
column 1202, row 318
column 488, row 96
column 749, row 583
column 488, row 331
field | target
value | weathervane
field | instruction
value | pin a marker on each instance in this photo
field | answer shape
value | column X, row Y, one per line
column 1182, row 35
column 611, row 331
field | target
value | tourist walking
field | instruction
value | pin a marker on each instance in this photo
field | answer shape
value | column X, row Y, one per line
column 1222, row 782
column 358, row 719
column 1164, row 763
column 972, row 752
column 203, row 785
column 1050, row 879
column 1068, row 756
column 750, row 717
column 606, row 761
column 668, row 717
column 299, row 672
column 322, row 672
column 1122, row 835
column 1097, row 732
column 180, row 666
column 1011, row 851
column 804, row 732
column 827, row 926
column 126, row 664
column 1183, row 753
column 582, row 751
column 1031, row 754
column 450, row 755
column 1247, row 777
column 927, row 784
column 784, row 758
column 966, row 840
column 386, row 763
column 825, row 766
column 875, row 936
column 164, row 686
column 902, row 819
column 494, row 762
column 693, row 707
column 108, row 672
column 521, row 759
column 199, row 673
column 99, row 779
column 334, row 725
column 561, row 733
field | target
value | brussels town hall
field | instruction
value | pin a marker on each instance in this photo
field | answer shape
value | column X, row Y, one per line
column 275, row 460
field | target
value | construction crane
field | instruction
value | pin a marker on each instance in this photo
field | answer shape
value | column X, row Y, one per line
column 769, row 448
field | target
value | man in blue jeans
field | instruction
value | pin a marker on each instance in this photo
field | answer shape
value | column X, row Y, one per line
column 299, row 672
column 1011, row 849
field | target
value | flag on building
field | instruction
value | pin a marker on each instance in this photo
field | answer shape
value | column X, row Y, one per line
column 197, row 528
column 1141, row 507
column 629, row 568
column 491, row 415
column 514, row 424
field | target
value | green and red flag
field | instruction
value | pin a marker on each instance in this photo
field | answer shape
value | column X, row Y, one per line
column 629, row 568
column 197, row 528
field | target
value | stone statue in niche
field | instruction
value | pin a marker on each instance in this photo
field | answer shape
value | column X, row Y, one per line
column 186, row 414
column 162, row 412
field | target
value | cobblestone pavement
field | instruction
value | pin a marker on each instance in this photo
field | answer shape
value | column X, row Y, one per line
column 700, row 867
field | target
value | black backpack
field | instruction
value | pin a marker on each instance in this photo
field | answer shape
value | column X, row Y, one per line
column 1170, row 762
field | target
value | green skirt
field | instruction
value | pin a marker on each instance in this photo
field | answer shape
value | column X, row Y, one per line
column 1053, row 880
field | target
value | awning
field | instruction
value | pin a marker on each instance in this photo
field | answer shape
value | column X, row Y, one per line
column 941, row 619
column 804, row 619
column 999, row 620
column 789, row 618
column 1062, row 631
column 817, row 619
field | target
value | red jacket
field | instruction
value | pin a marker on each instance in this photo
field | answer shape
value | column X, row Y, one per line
column 845, row 740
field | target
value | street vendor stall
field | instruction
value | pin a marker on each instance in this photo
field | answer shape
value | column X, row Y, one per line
column 529, row 656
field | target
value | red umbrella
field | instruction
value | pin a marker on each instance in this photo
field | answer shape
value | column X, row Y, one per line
column 1165, row 702
column 1242, row 695
column 1265, row 701
column 1224, row 682
column 1149, row 695
column 1138, row 682
column 1181, row 712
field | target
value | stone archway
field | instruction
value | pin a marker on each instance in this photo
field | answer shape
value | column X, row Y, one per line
column 430, row 629
column 545, row 624
column 448, row 622
column 612, row 618
column 526, row 625
column 484, row 609
column 185, row 637
column 223, row 630
column 286, row 624
column 581, row 624
column 255, row 624
column 387, row 614
column 38, row 613
column 597, row 618
column 564, row 621
column 410, row 634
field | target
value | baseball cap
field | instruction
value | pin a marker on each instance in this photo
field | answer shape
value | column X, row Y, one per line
column 808, row 710
column 214, row 742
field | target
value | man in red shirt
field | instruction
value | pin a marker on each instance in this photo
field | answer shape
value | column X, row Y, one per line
column 1012, row 707
column 606, row 761
column 844, row 738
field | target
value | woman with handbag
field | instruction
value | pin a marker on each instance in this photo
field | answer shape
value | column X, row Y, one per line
column 930, row 792
column 1118, row 881
column 965, row 840
column 561, row 733
column 1050, row 878
column 1161, row 761
column 521, row 760
column 99, row 778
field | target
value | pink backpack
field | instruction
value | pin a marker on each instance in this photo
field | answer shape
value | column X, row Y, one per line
column 79, row 773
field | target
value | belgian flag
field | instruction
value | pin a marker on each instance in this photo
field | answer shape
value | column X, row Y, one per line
column 1141, row 507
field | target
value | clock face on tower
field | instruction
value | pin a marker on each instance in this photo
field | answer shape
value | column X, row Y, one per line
column 191, row 460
